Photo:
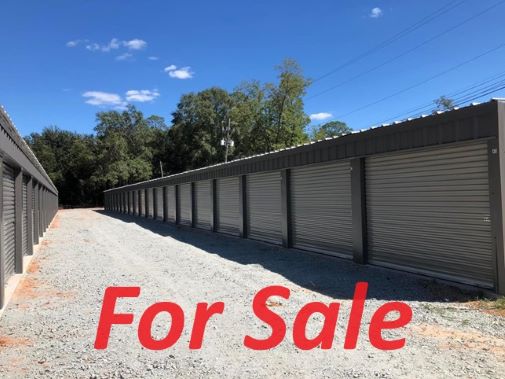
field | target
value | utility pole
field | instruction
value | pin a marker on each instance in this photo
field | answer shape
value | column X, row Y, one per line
column 227, row 142
column 161, row 168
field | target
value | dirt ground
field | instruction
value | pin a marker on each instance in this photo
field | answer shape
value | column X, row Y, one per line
column 48, row 329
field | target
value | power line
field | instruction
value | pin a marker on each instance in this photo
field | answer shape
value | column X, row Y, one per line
column 453, row 68
column 460, row 24
column 432, row 16
column 420, row 109
column 463, row 96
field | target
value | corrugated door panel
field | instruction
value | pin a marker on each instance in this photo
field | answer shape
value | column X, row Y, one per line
column 135, row 202
column 185, row 198
column 142, row 203
column 203, row 204
column 228, row 214
column 321, row 210
column 150, row 202
column 34, row 191
column 159, row 203
column 9, row 219
column 171, row 203
column 25, row 216
column 264, row 211
column 428, row 211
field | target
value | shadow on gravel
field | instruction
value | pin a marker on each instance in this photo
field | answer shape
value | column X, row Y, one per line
column 334, row 277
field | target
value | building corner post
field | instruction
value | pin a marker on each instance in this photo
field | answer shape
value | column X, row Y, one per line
column 286, row 208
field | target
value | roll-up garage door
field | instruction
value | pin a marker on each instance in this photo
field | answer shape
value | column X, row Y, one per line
column 428, row 212
column 9, row 220
column 171, row 203
column 34, row 212
column 142, row 203
column 25, row 216
column 185, row 201
column 228, row 213
column 203, row 204
column 150, row 202
column 159, row 203
column 321, row 208
column 264, row 213
column 135, row 203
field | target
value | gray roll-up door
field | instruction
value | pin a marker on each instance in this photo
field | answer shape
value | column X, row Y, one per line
column 9, row 220
column 171, row 203
column 428, row 211
column 25, row 216
column 159, row 203
column 142, row 203
column 203, row 204
column 150, row 202
column 34, row 231
column 321, row 212
column 185, row 201
column 264, row 213
column 135, row 206
column 228, row 213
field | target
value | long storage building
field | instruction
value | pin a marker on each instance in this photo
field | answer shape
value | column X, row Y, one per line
column 424, row 195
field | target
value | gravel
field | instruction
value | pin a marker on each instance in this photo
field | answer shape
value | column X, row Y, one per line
column 49, row 327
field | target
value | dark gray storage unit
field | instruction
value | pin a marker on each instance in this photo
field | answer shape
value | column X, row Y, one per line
column 321, row 211
column 25, row 216
column 171, row 205
column 428, row 211
column 135, row 203
column 185, row 203
column 150, row 202
column 159, row 203
column 227, row 207
column 264, row 207
column 203, row 204
column 9, row 220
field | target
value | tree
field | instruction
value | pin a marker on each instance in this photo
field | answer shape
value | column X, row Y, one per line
column 443, row 104
column 330, row 129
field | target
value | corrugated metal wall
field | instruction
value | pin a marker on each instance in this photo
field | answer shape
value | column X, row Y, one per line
column 203, row 204
column 9, row 220
column 428, row 211
column 159, row 203
column 321, row 208
column 228, row 216
column 142, row 203
column 264, row 213
column 150, row 202
column 171, row 203
column 185, row 201
column 25, row 216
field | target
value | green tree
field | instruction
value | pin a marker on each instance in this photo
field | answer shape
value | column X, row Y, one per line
column 443, row 104
column 330, row 129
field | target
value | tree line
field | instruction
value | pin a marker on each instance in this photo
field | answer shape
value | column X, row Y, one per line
column 127, row 147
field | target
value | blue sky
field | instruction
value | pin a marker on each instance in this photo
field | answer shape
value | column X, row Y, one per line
column 62, row 61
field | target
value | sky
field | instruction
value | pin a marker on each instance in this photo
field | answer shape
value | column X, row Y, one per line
column 63, row 61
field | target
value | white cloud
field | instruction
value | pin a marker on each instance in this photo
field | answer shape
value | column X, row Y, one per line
column 124, row 56
column 142, row 96
column 103, row 99
column 320, row 116
column 153, row 58
column 93, row 46
column 179, row 73
column 73, row 43
column 376, row 13
column 135, row 44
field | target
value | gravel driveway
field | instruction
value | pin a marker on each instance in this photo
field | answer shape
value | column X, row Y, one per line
column 49, row 327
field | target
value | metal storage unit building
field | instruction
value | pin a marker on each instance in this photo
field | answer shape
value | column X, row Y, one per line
column 185, row 204
column 423, row 195
column 321, row 208
column 227, row 207
column 203, row 204
column 24, row 216
column 428, row 211
column 264, row 207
